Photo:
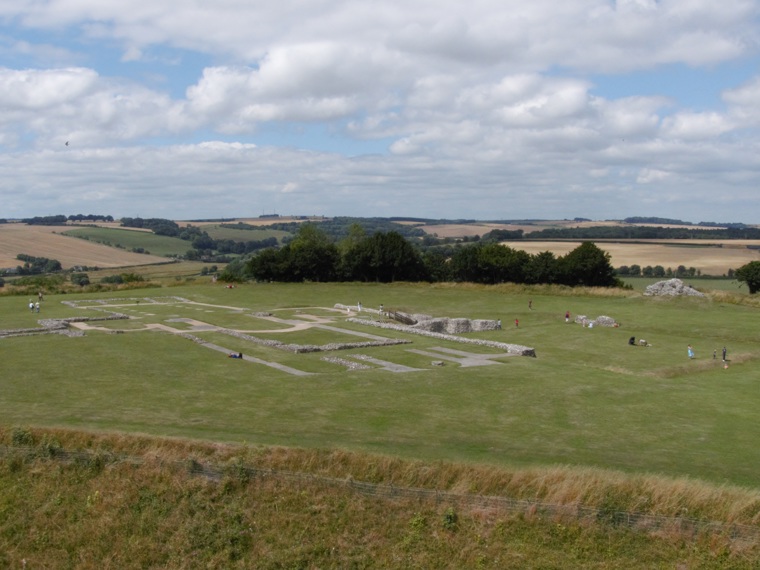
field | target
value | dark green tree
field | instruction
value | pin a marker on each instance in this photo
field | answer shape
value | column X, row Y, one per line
column 464, row 264
column 312, row 256
column 542, row 267
column 587, row 265
column 749, row 274
column 268, row 265
column 501, row 264
column 385, row 258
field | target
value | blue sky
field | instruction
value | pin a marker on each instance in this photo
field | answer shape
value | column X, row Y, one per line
column 485, row 110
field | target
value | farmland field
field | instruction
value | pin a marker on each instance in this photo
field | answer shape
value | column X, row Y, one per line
column 49, row 241
column 708, row 256
column 220, row 231
column 587, row 399
column 129, row 239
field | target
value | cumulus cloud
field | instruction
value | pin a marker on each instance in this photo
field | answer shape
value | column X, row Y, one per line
column 488, row 108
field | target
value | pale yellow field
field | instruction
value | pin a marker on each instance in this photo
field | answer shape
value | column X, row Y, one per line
column 46, row 241
column 254, row 221
column 709, row 260
column 477, row 228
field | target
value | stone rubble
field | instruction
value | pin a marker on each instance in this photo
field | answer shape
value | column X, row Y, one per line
column 507, row 347
column 671, row 288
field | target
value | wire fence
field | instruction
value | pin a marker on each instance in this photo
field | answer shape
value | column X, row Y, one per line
column 497, row 504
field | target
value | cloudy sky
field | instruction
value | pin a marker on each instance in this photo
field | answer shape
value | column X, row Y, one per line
column 486, row 109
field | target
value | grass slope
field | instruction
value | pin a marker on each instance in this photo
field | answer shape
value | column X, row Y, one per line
column 133, row 503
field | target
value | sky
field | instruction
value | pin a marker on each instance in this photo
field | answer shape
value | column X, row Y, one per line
column 483, row 110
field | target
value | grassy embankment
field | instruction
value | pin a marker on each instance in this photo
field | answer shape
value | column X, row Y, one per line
column 133, row 502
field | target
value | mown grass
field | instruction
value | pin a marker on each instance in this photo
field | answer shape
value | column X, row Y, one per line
column 588, row 399
column 147, row 510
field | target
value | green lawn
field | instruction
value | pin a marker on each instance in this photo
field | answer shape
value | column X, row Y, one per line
column 587, row 399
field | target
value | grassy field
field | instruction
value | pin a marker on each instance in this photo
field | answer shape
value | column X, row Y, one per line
column 590, row 421
column 221, row 231
column 587, row 399
column 130, row 239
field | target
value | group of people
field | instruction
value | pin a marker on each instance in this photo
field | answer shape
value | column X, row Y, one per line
column 691, row 355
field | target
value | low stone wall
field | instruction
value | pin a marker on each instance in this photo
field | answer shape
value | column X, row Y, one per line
column 456, row 326
column 58, row 326
column 446, row 325
column 507, row 347
column 156, row 300
column 349, row 364
column 306, row 348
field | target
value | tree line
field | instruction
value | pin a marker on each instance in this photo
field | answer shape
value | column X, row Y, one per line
column 386, row 257
column 60, row 219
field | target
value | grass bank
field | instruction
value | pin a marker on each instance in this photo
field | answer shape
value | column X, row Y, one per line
column 135, row 502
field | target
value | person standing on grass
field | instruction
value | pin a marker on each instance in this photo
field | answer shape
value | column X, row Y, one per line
column 690, row 351
column 724, row 354
column 567, row 316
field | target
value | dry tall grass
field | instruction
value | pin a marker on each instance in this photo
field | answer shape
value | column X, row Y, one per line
column 105, row 512
column 558, row 485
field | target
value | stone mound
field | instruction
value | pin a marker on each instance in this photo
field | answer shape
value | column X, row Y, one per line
column 600, row 321
column 671, row 288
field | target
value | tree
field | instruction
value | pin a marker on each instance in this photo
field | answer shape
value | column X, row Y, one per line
column 749, row 274
column 542, row 268
column 501, row 264
column 464, row 264
column 588, row 265
column 384, row 257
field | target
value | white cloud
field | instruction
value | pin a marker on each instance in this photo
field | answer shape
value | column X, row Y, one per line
column 486, row 106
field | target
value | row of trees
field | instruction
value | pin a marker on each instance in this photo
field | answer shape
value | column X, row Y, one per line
column 60, row 219
column 660, row 271
column 387, row 256
column 36, row 265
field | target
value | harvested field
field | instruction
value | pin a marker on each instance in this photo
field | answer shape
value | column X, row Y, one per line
column 47, row 241
column 710, row 257
column 251, row 221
